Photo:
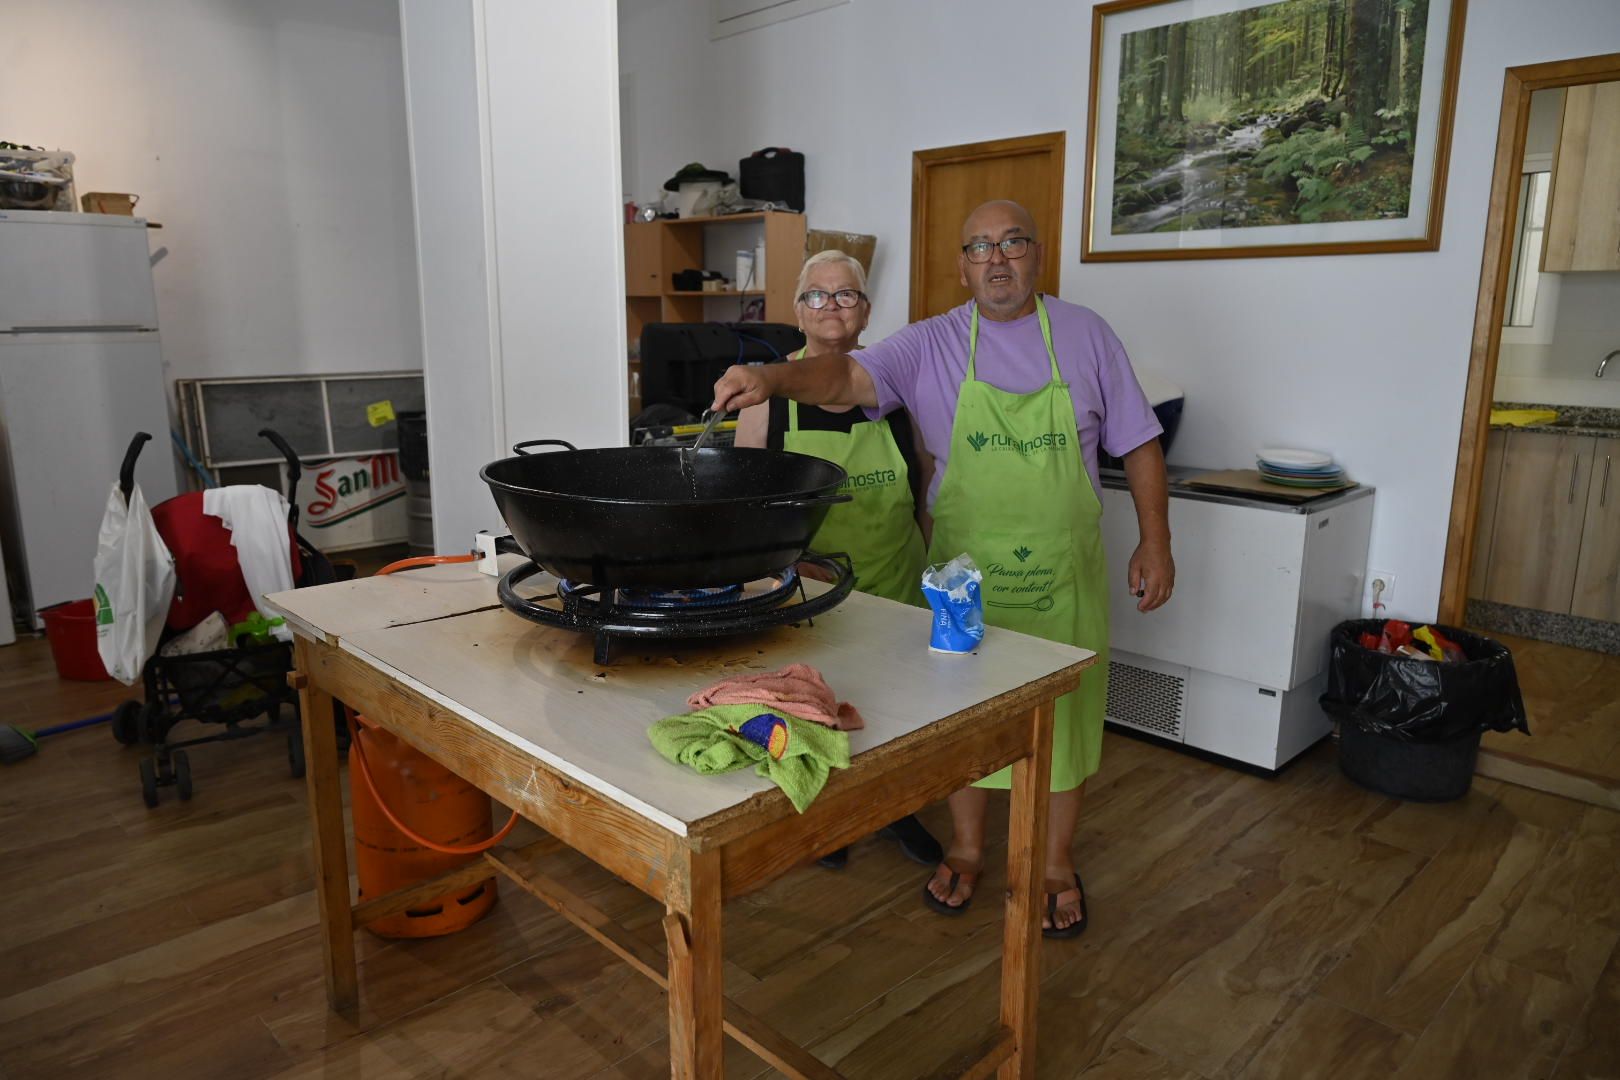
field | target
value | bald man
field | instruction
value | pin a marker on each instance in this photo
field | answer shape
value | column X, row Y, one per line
column 1012, row 394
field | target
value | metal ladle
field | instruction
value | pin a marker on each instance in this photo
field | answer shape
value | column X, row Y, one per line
column 711, row 421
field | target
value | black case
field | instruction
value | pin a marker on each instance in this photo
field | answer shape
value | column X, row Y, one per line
column 774, row 174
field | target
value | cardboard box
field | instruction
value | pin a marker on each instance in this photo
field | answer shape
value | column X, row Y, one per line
column 860, row 245
column 109, row 202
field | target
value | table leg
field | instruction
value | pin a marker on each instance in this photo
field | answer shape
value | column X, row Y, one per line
column 329, row 835
column 696, row 990
column 1026, row 873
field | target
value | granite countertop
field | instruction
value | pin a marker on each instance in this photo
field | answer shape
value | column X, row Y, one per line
column 1572, row 419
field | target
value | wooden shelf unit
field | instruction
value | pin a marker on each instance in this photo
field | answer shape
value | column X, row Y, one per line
column 655, row 251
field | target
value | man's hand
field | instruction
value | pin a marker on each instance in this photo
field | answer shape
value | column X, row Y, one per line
column 741, row 386
column 1152, row 574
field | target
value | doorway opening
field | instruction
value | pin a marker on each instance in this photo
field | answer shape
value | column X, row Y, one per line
column 1533, row 550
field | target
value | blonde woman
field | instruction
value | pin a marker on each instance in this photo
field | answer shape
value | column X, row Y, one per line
column 880, row 529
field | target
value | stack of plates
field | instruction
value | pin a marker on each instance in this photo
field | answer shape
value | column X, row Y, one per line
column 1299, row 468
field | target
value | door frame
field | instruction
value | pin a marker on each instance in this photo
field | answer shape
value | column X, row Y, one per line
column 1518, row 85
column 1051, row 142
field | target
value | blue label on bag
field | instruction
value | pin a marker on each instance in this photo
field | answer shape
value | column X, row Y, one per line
column 958, row 620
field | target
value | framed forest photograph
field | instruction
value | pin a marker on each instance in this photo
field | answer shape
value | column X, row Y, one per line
column 1229, row 128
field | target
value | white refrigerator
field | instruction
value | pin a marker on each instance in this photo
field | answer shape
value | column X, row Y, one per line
column 81, row 370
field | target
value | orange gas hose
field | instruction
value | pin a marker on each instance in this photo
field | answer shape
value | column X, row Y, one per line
column 425, row 560
column 364, row 770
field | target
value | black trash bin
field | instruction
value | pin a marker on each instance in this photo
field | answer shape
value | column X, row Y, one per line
column 1410, row 728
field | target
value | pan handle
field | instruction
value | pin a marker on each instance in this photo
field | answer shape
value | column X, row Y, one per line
column 801, row 504
column 518, row 448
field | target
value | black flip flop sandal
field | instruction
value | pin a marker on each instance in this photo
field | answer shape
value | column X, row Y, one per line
column 1074, row 929
column 956, row 876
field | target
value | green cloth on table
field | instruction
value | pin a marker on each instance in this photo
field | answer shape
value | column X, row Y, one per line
column 724, row 738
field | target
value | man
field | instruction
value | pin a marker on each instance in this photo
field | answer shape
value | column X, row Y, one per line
column 1012, row 394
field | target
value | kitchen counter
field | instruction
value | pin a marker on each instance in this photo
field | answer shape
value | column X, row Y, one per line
column 1114, row 480
column 1572, row 420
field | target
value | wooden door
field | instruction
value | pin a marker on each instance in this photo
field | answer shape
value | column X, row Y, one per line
column 1539, row 510
column 1485, row 525
column 948, row 182
column 1583, row 209
column 1597, row 577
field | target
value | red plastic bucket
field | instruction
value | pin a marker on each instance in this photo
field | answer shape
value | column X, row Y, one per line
column 71, row 630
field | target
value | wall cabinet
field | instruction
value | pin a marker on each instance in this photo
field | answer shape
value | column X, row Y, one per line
column 1549, row 524
column 1583, row 212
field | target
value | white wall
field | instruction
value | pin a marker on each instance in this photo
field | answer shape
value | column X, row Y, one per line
column 515, row 158
column 269, row 140
column 1365, row 356
column 1586, row 327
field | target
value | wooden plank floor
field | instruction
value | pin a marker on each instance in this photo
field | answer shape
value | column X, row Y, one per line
column 1573, row 698
column 1241, row 927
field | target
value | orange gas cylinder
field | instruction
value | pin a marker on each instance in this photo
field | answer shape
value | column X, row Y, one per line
column 432, row 802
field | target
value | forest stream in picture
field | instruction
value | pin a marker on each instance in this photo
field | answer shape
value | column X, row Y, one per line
column 1292, row 113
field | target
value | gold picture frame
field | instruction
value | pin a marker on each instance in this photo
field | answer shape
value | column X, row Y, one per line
column 1256, row 128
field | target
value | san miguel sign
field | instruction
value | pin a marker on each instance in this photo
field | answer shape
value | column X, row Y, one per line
column 353, row 502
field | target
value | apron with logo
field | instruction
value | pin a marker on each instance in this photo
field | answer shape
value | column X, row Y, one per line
column 878, row 529
column 1017, row 498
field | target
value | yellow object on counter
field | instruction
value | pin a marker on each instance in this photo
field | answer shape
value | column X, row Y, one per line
column 1523, row 417
column 693, row 429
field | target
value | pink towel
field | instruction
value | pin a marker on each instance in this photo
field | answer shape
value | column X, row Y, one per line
column 798, row 689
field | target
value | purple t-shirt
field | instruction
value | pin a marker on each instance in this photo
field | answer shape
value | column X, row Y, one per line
column 922, row 366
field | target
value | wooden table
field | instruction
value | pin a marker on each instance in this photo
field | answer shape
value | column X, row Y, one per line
column 524, row 713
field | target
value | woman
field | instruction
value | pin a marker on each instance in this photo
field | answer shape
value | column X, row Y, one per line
column 879, row 529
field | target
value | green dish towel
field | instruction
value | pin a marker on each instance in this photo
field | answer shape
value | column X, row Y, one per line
column 797, row 755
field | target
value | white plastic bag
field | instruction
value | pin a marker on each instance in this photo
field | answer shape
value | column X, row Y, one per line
column 257, row 519
column 134, row 585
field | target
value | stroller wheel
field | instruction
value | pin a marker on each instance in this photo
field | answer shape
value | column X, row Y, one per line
column 149, row 781
column 126, row 722
column 295, row 754
column 182, row 774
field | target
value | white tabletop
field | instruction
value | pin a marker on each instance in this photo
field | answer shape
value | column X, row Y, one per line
column 540, row 690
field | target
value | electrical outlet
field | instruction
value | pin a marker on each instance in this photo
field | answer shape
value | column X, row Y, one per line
column 1388, row 578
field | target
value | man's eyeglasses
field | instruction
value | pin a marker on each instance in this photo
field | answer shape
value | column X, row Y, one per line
column 1014, row 247
column 816, row 299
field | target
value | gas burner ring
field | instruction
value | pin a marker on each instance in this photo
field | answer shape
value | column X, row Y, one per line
column 579, row 607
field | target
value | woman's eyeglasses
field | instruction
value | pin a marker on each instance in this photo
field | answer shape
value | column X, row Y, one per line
column 816, row 299
column 1014, row 247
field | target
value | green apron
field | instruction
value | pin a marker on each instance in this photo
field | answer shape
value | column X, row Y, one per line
column 1018, row 499
column 878, row 529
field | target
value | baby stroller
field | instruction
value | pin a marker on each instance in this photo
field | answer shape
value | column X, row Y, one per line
column 232, row 685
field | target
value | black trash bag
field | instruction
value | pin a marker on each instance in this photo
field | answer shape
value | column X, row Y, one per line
column 1419, row 700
